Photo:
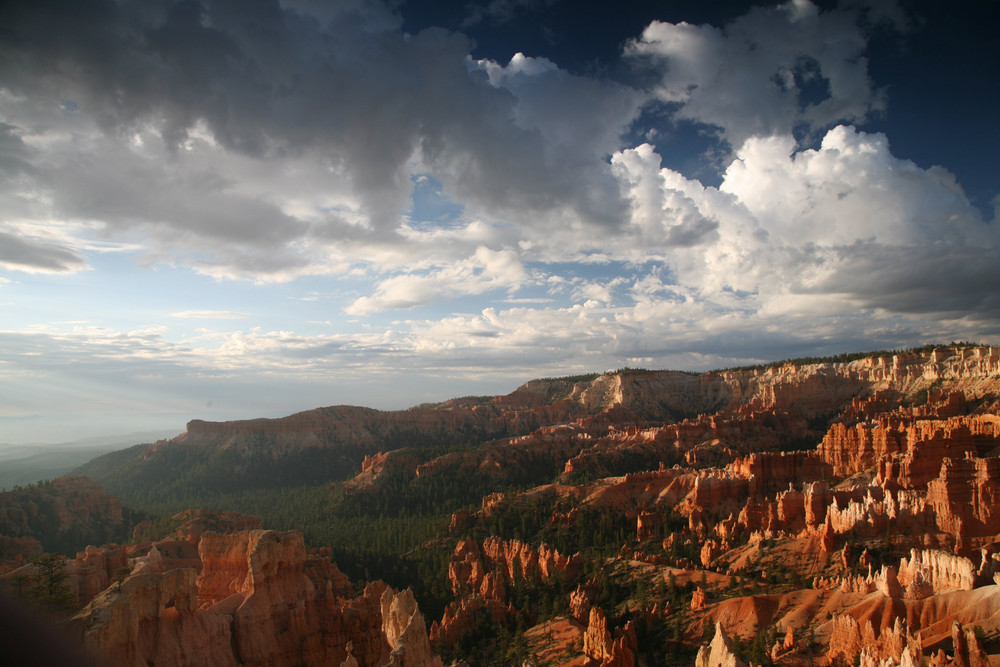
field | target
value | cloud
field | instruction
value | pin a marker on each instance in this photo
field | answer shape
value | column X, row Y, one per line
column 580, row 121
column 511, row 344
column 34, row 256
column 772, row 70
column 291, row 152
column 485, row 270
column 944, row 280
column 270, row 154
column 663, row 216
column 851, row 188
column 847, row 224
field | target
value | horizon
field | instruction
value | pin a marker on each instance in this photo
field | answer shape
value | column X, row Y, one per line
column 221, row 215
column 104, row 439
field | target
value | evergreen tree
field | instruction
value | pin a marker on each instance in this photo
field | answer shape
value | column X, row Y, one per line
column 50, row 588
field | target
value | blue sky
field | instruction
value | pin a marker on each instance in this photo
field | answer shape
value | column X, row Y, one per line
column 223, row 209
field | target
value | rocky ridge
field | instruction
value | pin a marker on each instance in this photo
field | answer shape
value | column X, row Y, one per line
column 251, row 604
column 763, row 408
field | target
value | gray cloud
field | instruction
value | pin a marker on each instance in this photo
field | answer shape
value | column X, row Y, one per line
column 269, row 140
column 357, row 95
column 13, row 153
column 28, row 255
column 770, row 71
column 690, row 233
column 944, row 281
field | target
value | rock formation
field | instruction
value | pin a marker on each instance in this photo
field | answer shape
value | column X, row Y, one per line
column 153, row 619
column 252, row 604
column 763, row 408
column 471, row 565
column 94, row 569
column 404, row 629
column 605, row 650
column 719, row 653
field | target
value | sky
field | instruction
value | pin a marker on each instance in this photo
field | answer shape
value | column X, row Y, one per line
column 224, row 209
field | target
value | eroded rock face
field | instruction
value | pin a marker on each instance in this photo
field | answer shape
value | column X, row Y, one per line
column 480, row 574
column 968, row 649
column 512, row 560
column 922, row 476
column 580, row 602
column 94, row 569
column 153, row 619
column 225, row 568
column 919, row 442
column 965, row 496
column 253, row 604
column 698, row 599
column 278, row 619
column 759, row 408
column 938, row 570
column 602, row 648
column 17, row 550
column 774, row 471
column 404, row 629
column 719, row 653
column 193, row 523
column 895, row 646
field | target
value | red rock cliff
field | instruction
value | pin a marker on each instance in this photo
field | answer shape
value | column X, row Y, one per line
column 255, row 603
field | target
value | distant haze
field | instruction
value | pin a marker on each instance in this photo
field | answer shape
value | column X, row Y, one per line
column 29, row 463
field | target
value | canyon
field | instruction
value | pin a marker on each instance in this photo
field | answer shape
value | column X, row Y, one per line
column 813, row 512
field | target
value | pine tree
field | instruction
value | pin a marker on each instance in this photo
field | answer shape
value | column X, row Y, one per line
column 50, row 587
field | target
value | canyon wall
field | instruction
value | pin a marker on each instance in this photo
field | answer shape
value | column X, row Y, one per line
column 810, row 390
column 256, row 602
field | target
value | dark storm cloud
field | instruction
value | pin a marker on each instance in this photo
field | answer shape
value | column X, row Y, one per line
column 287, row 138
column 270, row 82
column 941, row 280
column 13, row 153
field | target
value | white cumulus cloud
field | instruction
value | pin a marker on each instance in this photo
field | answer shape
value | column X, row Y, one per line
column 847, row 224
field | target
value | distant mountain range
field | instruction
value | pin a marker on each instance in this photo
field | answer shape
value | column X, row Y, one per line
column 331, row 443
column 25, row 464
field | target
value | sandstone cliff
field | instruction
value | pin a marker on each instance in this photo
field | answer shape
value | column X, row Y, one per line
column 719, row 653
column 763, row 408
column 605, row 650
column 252, row 604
